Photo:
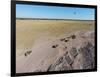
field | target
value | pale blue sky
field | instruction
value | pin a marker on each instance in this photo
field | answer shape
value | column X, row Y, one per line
column 39, row 11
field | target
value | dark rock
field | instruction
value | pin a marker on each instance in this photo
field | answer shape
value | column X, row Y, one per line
column 62, row 39
column 73, row 36
column 27, row 53
column 54, row 46
column 66, row 40
column 65, row 47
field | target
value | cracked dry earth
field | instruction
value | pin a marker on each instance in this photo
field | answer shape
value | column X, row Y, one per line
column 69, row 52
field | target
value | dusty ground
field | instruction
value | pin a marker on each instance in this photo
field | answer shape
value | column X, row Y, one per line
column 36, row 38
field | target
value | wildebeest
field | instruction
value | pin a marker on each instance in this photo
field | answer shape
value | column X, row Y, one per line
column 27, row 53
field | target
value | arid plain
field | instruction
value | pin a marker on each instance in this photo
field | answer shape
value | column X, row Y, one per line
column 37, row 38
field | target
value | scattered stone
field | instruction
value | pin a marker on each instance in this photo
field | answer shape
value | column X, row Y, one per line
column 77, row 56
column 66, row 40
column 27, row 53
column 54, row 46
column 85, row 59
column 62, row 39
column 65, row 47
column 73, row 36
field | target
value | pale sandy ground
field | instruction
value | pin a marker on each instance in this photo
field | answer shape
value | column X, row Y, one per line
column 39, row 36
column 43, row 54
column 42, row 50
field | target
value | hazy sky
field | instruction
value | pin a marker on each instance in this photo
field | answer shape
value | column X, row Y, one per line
column 39, row 11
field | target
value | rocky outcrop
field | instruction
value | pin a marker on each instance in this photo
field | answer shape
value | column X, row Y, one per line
column 79, row 53
column 83, row 57
column 71, row 51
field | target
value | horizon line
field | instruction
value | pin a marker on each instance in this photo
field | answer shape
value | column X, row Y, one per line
column 20, row 18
